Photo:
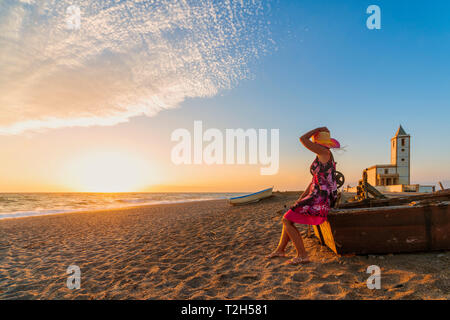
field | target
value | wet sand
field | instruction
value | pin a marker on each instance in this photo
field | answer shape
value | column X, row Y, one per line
column 197, row 250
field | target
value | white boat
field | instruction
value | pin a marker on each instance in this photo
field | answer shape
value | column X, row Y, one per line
column 252, row 197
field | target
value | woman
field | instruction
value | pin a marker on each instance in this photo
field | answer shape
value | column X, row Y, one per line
column 313, row 206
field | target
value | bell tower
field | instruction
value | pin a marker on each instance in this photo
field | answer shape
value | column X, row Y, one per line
column 400, row 155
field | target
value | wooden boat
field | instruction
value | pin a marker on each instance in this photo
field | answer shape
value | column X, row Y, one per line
column 252, row 197
column 405, row 224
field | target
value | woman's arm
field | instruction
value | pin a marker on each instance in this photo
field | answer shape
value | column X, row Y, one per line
column 322, row 152
column 305, row 192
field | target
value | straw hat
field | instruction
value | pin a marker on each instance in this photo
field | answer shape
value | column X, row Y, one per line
column 323, row 138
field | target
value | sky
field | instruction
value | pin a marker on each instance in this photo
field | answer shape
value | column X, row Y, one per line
column 93, row 108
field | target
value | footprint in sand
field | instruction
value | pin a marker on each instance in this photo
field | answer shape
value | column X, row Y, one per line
column 196, row 282
column 245, row 298
column 301, row 277
column 236, row 291
column 180, row 266
column 210, row 292
column 281, row 296
column 329, row 289
column 198, row 296
column 249, row 278
column 227, row 276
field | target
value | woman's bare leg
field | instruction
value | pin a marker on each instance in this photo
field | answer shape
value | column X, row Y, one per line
column 279, row 251
column 284, row 240
column 296, row 238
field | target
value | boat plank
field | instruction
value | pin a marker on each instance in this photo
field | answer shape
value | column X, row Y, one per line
column 328, row 237
column 443, row 195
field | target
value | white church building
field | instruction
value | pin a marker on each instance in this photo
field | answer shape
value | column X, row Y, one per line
column 396, row 176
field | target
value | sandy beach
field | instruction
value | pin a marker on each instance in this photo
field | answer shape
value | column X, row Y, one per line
column 197, row 250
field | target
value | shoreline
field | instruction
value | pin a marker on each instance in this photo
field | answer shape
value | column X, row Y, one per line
column 82, row 211
column 135, row 205
column 196, row 250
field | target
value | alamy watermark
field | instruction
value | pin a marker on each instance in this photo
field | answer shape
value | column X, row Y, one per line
column 229, row 148
column 73, row 19
column 374, row 20
column 374, row 281
column 74, row 280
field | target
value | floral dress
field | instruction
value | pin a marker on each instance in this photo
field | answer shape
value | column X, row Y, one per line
column 321, row 195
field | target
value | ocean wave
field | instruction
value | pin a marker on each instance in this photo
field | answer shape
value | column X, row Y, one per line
column 59, row 204
column 22, row 214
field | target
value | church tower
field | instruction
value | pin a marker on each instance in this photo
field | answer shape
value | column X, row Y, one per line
column 400, row 155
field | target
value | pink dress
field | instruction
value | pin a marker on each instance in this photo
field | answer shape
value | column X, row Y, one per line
column 321, row 195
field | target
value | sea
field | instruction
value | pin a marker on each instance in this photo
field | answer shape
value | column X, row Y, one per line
column 16, row 205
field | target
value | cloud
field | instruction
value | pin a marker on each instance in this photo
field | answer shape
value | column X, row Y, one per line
column 128, row 58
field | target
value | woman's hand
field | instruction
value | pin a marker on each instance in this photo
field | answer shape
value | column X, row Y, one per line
column 309, row 134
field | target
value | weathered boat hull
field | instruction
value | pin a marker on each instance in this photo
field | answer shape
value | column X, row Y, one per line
column 443, row 195
column 253, row 197
column 389, row 229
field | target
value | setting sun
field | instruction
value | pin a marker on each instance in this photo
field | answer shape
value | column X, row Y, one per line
column 108, row 171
